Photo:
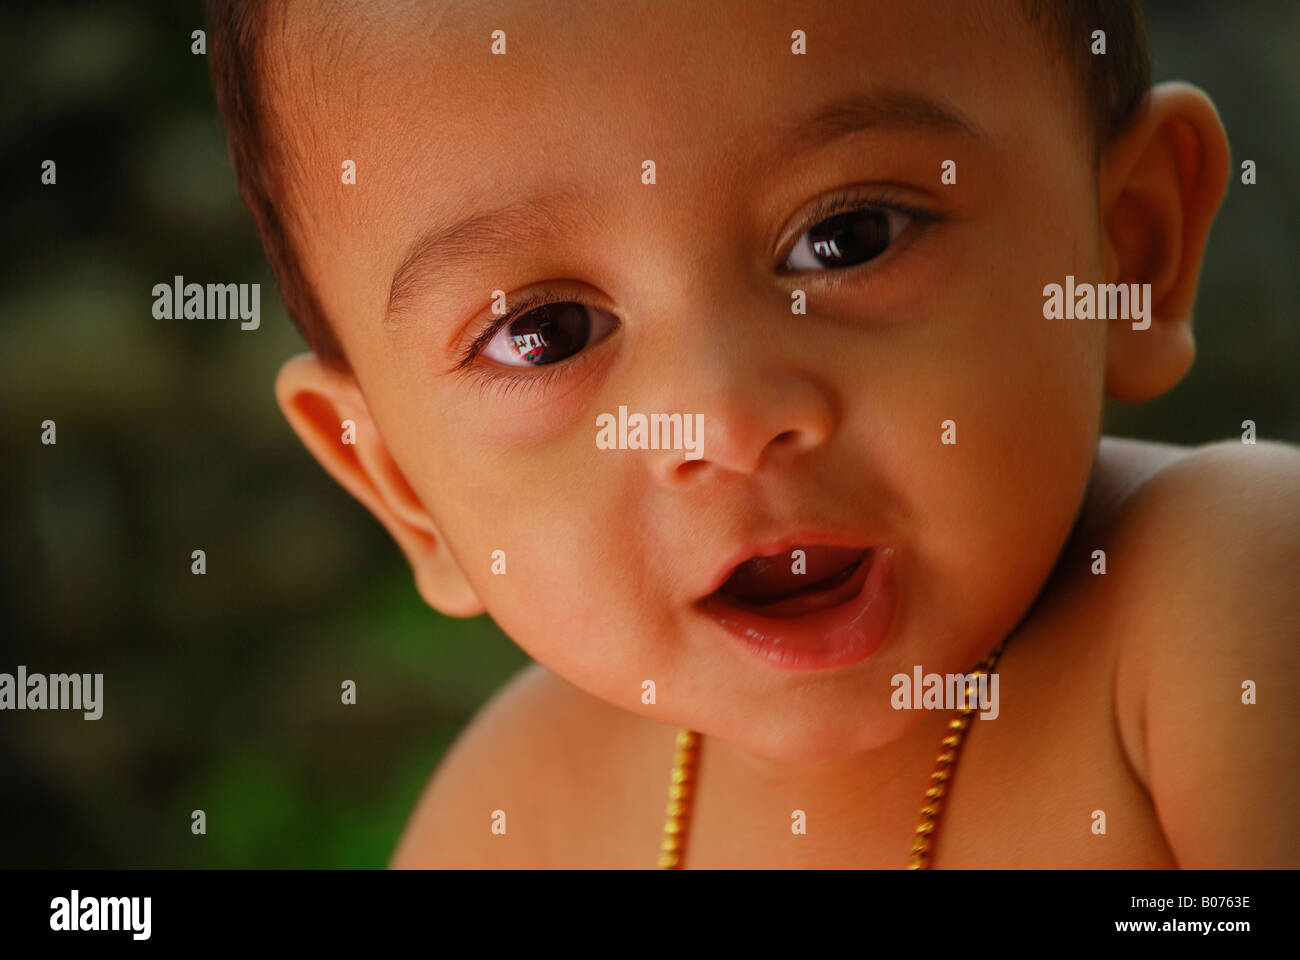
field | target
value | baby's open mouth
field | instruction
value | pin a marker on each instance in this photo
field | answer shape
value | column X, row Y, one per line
column 787, row 584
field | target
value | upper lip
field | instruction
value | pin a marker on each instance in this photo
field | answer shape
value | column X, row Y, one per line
column 767, row 548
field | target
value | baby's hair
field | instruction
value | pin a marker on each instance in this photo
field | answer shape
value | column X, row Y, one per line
column 1113, row 86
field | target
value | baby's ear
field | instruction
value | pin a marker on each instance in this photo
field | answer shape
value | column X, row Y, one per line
column 328, row 412
column 1160, row 184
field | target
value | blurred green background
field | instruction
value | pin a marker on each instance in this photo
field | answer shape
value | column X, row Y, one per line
column 222, row 691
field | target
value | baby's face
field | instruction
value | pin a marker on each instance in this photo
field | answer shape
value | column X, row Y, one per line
column 823, row 430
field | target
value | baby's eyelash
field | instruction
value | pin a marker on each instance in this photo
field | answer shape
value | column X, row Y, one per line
column 835, row 203
column 531, row 302
column 831, row 204
column 505, row 383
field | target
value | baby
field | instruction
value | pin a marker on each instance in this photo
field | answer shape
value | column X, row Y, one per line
column 534, row 246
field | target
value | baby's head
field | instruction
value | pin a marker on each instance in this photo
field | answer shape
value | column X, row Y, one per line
column 643, row 188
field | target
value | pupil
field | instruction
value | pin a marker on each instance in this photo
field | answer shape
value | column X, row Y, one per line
column 850, row 238
column 551, row 333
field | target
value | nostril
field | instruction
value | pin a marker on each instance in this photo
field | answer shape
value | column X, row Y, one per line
column 688, row 468
column 786, row 437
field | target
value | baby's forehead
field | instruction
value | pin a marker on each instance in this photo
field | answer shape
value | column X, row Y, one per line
column 440, row 74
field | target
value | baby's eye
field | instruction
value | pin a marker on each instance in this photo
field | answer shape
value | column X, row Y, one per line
column 548, row 334
column 848, row 239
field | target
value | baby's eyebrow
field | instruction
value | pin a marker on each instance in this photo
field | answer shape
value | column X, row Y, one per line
column 490, row 234
column 884, row 108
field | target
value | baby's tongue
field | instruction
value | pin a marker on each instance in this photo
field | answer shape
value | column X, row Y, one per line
column 761, row 580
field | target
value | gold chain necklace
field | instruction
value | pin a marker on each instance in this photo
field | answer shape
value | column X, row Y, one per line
column 681, row 788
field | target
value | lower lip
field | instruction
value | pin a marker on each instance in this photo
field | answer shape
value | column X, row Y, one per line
column 826, row 639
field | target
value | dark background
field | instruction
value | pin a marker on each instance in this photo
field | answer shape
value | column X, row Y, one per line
column 222, row 692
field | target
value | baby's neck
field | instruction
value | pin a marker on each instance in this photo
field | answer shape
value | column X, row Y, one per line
column 902, row 764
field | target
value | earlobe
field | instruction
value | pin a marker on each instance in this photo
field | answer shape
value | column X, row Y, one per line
column 1160, row 184
column 328, row 412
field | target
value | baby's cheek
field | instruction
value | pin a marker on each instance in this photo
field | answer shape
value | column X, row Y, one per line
column 993, row 478
column 565, row 599
column 543, row 411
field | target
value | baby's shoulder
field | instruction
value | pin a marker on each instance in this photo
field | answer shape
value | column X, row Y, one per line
column 1219, row 517
column 1202, row 564
column 542, row 769
column 1200, row 550
column 1175, row 543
